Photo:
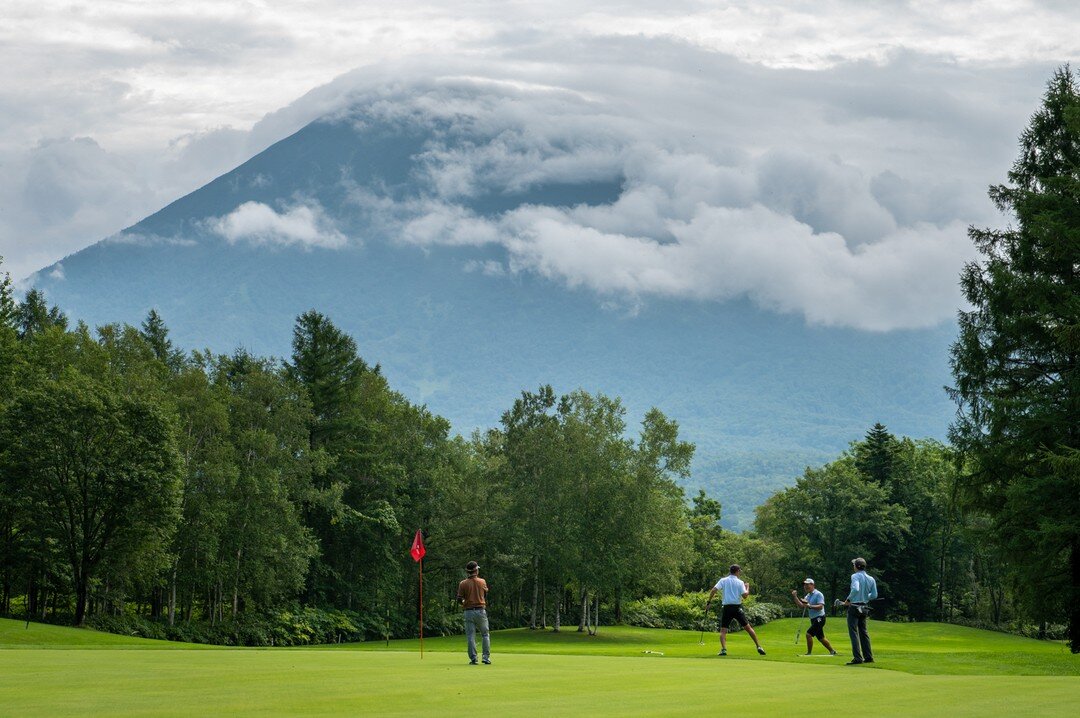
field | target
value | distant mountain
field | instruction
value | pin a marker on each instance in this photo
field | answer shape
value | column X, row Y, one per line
column 762, row 394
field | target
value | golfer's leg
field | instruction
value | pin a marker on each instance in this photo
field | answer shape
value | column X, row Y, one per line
column 485, row 636
column 809, row 643
column 750, row 630
column 853, row 633
column 723, row 638
column 864, row 639
column 470, row 635
column 825, row 642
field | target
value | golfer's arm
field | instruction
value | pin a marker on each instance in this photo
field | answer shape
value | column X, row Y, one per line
column 712, row 594
column 816, row 606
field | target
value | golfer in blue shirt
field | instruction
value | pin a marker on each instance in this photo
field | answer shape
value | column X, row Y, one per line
column 863, row 591
column 814, row 600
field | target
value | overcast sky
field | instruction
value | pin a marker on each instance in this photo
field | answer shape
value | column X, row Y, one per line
column 836, row 146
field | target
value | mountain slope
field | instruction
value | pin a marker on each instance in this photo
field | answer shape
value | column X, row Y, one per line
column 453, row 326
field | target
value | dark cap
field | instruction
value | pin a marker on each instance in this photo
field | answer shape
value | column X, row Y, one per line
column 472, row 567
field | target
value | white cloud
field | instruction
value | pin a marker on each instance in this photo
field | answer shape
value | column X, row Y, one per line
column 255, row 223
column 440, row 223
column 489, row 267
column 906, row 279
column 148, row 240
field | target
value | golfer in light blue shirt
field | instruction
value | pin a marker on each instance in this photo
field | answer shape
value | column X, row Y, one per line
column 863, row 591
column 814, row 601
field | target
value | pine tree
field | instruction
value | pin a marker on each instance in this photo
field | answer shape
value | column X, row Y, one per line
column 156, row 335
column 8, row 309
column 326, row 363
column 34, row 315
column 875, row 457
column 1016, row 362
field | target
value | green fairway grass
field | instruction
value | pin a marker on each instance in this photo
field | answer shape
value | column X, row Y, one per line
column 16, row 634
column 923, row 669
column 919, row 648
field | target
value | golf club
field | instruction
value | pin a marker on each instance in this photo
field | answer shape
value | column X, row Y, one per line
column 798, row 630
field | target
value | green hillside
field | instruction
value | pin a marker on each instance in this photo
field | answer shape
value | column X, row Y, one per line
column 922, row 669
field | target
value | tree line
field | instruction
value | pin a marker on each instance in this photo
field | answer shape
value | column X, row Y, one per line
column 136, row 479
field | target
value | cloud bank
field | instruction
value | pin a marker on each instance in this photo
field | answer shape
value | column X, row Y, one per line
column 695, row 218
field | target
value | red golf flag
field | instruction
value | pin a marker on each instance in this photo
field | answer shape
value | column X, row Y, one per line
column 417, row 551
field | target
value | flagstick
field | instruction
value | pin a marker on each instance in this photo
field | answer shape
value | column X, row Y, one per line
column 421, row 609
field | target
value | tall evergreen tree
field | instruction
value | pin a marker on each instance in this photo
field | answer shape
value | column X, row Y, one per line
column 875, row 457
column 34, row 315
column 8, row 308
column 369, row 436
column 326, row 363
column 156, row 335
column 1016, row 362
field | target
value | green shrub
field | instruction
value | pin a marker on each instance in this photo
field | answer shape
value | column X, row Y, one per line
column 294, row 627
column 687, row 612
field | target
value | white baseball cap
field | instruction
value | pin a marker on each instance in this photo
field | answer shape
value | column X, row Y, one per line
column 808, row 580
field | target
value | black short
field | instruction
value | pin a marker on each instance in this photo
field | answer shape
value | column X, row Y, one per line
column 732, row 612
column 817, row 628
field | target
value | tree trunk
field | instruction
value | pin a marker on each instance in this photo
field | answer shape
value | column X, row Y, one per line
column 31, row 596
column 946, row 535
column 5, row 601
column 558, row 615
column 595, row 615
column 584, row 611
column 236, row 586
column 543, row 607
column 535, row 592
column 172, row 598
column 618, row 605
column 1074, row 611
column 45, row 593
column 80, row 598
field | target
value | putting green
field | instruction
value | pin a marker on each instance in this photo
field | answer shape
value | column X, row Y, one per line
column 84, row 672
